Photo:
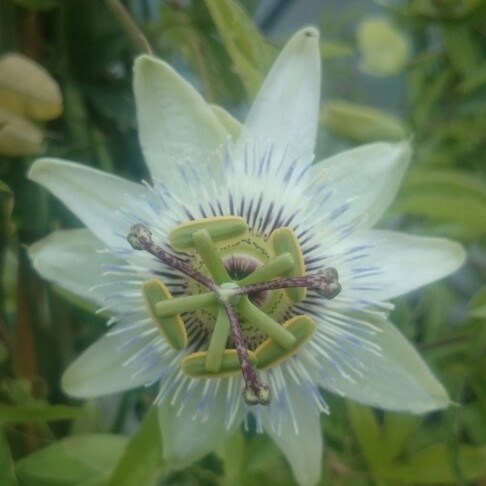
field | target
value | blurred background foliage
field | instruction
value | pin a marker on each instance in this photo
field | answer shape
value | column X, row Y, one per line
column 393, row 69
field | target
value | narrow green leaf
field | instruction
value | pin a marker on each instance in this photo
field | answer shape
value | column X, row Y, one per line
column 188, row 31
column 445, row 195
column 428, row 93
column 7, row 472
column 474, row 80
column 15, row 414
column 142, row 461
column 83, row 459
column 6, row 207
column 333, row 49
column 477, row 305
column 433, row 465
column 463, row 52
column 397, row 430
column 361, row 123
column 369, row 436
column 38, row 4
column 472, row 420
column 232, row 453
column 242, row 40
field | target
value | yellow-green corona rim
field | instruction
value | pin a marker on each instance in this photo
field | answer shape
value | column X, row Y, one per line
column 194, row 365
column 220, row 228
column 284, row 240
column 172, row 327
column 270, row 353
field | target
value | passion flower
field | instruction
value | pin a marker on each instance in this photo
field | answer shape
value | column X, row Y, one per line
column 245, row 278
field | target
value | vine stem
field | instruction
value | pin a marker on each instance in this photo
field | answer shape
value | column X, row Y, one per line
column 130, row 26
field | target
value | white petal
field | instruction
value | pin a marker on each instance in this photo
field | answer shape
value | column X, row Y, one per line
column 187, row 435
column 395, row 379
column 73, row 259
column 106, row 366
column 365, row 180
column 402, row 262
column 231, row 124
column 93, row 196
column 303, row 449
column 175, row 123
column 285, row 111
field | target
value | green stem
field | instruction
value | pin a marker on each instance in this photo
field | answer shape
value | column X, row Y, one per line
column 129, row 25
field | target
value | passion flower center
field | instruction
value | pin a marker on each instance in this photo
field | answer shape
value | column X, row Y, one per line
column 230, row 297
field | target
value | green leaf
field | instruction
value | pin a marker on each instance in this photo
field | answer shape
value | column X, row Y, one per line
column 333, row 50
column 242, row 40
column 369, row 436
column 434, row 465
column 142, row 461
column 7, row 472
column 6, row 207
column 16, row 414
column 189, row 33
column 84, row 459
column 461, row 48
column 397, row 430
column 477, row 305
column 428, row 92
column 361, row 123
column 232, row 453
column 445, row 195
column 474, row 79
column 38, row 4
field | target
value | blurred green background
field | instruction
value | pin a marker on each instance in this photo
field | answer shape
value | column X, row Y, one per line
column 392, row 69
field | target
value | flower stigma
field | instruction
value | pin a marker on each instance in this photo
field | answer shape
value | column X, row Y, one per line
column 241, row 288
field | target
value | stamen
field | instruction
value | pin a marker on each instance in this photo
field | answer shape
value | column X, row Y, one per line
column 206, row 248
column 277, row 267
column 171, row 325
column 284, row 240
column 187, row 303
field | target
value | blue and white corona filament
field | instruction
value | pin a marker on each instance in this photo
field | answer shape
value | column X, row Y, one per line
column 245, row 278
